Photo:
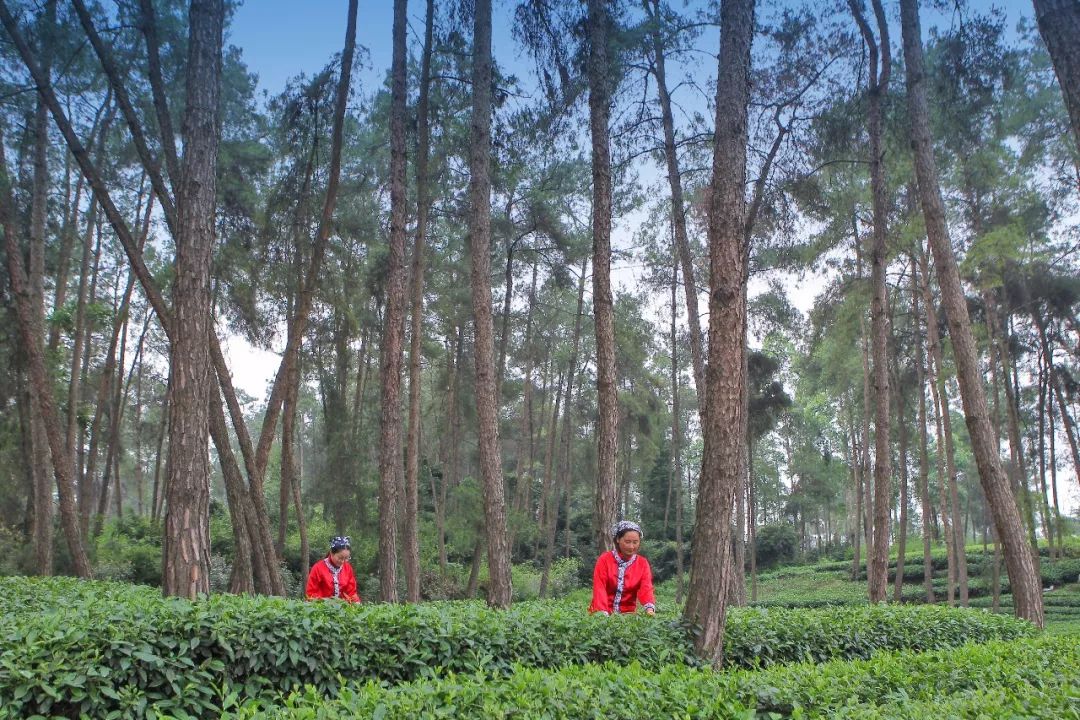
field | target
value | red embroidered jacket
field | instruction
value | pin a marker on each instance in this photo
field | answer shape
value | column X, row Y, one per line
column 618, row 584
column 327, row 581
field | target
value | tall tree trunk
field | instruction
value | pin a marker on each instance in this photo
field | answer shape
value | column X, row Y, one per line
column 186, row 571
column 75, row 386
column 607, row 432
column 1054, row 391
column 751, row 533
column 1048, row 525
column 1023, row 574
column 508, row 299
column 927, row 520
column 289, row 476
column 241, row 580
column 43, row 506
column 857, row 482
column 140, row 481
column 949, row 495
column 394, row 327
column 32, row 335
column 1017, row 458
column 524, row 470
column 902, row 524
column 566, row 477
column 678, row 208
column 412, row 443
column 1063, row 406
column 499, row 592
column 448, row 449
column 157, row 503
column 877, row 572
column 725, row 426
column 940, row 411
column 1059, row 25
column 549, row 504
column 67, row 239
column 676, row 441
column 301, row 519
column 1053, row 484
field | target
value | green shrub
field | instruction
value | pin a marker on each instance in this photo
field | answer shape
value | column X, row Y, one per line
column 775, row 544
column 76, row 647
column 1028, row 678
column 771, row 636
column 129, row 548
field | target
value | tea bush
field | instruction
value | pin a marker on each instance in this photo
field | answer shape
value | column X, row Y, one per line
column 1034, row 678
column 93, row 648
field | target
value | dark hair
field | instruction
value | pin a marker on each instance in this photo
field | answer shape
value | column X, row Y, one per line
column 619, row 535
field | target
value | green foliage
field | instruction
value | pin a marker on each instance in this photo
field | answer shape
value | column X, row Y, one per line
column 771, row 636
column 775, row 544
column 129, row 548
column 14, row 552
column 1027, row 678
column 96, row 647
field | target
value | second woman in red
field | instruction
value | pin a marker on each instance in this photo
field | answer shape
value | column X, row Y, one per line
column 622, row 578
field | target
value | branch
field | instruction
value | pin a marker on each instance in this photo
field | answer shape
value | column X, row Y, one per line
column 93, row 177
column 153, row 170
column 157, row 86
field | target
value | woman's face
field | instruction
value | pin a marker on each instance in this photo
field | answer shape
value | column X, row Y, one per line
column 629, row 543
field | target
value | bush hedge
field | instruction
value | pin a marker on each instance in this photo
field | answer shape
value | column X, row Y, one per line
column 1031, row 678
column 96, row 648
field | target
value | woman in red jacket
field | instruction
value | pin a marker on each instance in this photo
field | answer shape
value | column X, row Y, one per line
column 622, row 578
column 333, row 577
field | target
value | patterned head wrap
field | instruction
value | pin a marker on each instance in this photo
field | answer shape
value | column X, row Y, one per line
column 625, row 526
column 340, row 543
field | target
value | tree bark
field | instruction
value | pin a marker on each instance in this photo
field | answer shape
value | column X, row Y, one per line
column 289, row 476
column 941, row 410
column 499, row 592
column 924, row 460
column 32, row 334
column 678, row 207
column 676, row 443
column 565, row 476
column 1053, row 391
column 392, row 345
column 524, row 470
column 242, row 578
column 412, row 444
column 603, row 304
column 43, row 505
column 186, row 550
column 857, row 482
column 725, row 426
column 1023, row 575
column 1048, row 525
column 877, row 572
column 1017, row 459
column 549, row 503
column 949, row 495
column 75, row 386
column 1059, row 25
column 902, row 524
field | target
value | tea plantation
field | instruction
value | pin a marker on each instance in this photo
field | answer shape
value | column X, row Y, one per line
column 809, row 647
